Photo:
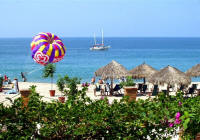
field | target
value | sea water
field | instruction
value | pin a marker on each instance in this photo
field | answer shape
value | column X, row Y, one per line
column 79, row 61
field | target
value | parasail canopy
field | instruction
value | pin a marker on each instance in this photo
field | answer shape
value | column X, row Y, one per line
column 47, row 48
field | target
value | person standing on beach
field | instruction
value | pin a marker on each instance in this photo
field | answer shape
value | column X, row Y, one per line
column 23, row 77
column 15, row 85
column 93, row 80
column 6, row 79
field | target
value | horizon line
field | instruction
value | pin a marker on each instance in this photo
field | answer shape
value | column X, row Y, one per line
column 117, row 37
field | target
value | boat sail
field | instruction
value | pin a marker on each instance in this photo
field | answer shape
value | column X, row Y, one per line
column 99, row 46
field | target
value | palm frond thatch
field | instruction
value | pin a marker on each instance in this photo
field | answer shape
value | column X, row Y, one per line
column 142, row 71
column 171, row 76
column 194, row 71
column 112, row 70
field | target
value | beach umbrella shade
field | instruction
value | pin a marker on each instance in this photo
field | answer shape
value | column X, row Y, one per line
column 112, row 71
column 47, row 48
column 170, row 76
column 194, row 71
column 142, row 71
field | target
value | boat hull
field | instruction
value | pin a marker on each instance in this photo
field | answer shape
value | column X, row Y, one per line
column 101, row 48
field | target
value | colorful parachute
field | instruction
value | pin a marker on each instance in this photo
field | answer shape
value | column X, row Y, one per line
column 47, row 48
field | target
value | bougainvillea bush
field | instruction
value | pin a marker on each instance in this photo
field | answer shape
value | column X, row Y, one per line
column 82, row 118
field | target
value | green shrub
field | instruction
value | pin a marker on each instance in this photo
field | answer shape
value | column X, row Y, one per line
column 129, row 82
column 1, row 81
column 49, row 71
column 68, row 85
column 83, row 118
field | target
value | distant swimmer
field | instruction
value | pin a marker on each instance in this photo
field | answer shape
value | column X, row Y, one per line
column 23, row 77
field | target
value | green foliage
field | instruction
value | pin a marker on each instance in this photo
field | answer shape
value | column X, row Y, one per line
column 49, row 70
column 61, row 84
column 83, row 118
column 129, row 82
column 68, row 85
column 1, row 81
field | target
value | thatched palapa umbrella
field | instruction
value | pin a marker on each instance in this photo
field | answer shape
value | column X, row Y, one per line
column 112, row 71
column 142, row 71
column 170, row 76
column 194, row 71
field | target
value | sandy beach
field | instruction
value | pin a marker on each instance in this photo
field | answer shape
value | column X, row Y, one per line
column 43, row 90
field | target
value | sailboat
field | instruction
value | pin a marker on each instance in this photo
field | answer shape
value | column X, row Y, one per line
column 99, row 47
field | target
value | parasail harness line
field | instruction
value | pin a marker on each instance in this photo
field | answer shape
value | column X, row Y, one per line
column 33, row 71
column 23, row 74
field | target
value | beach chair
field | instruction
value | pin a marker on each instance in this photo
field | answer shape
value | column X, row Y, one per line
column 155, row 90
column 165, row 92
column 117, row 89
column 144, row 88
column 15, row 88
column 190, row 91
column 194, row 86
column 182, row 87
column 139, row 88
column 98, row 88
column 12, row 91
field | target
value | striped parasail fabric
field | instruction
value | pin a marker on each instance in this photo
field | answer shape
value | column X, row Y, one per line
column 47, row 48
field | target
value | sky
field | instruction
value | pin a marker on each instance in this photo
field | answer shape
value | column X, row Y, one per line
column 83, row 18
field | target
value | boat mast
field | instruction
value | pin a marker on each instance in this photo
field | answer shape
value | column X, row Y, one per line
column 95, row 42
column 102, row 36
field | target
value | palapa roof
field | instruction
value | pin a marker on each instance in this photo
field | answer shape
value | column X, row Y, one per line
column 170, row 76
column 112, row 70
column 142, row 71
column 194, row 71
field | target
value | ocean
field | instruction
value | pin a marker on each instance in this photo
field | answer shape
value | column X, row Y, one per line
column 79, row 61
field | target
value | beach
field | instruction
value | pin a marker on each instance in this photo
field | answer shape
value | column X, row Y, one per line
column 43, row 90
